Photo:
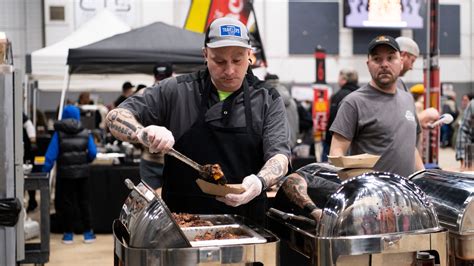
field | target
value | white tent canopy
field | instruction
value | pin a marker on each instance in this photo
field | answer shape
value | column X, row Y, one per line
column 49, row 64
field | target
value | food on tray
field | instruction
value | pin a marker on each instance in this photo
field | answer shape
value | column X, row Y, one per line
column 190, row 220
column 226, row 233
column 215, row 171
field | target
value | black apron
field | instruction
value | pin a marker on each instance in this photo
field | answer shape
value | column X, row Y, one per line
column 238, row 150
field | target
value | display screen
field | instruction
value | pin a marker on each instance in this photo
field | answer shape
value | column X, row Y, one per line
column 384, row 13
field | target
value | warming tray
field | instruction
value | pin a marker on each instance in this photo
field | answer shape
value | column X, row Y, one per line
column 250, row 236
column 215, row 219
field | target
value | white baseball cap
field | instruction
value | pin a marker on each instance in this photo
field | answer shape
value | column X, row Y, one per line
column 408, row 45
column 227, row 31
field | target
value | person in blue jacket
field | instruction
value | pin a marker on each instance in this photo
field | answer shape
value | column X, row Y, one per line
column 73, row 148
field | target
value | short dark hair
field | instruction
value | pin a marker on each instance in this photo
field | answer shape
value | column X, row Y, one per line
column 127, row 85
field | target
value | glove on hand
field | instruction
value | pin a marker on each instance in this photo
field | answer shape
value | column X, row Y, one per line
column 157, row 139
column 253, row 188
column 317, row 214
column 428, row 116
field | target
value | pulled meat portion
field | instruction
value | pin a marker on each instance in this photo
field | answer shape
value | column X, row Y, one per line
column 226, row 233
column 215, row 171
column 190, row 220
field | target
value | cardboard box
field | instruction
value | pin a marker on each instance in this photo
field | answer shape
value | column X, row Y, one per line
column 347, row 173
column 219, row 190
column 355, row 161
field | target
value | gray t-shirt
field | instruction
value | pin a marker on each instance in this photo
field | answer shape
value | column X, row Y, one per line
column 174, row 103
column 382, row 124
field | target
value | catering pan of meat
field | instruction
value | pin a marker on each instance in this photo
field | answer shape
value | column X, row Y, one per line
column 148, row 234
column 198, row 220
column 220, row 235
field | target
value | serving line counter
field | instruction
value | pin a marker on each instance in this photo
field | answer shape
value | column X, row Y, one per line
column 372, row 219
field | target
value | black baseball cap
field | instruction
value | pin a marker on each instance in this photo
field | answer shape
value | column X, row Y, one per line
column 383, row 40
column 163, row 69
column 127, row 85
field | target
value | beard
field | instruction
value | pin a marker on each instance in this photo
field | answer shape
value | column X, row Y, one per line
column 385, row 80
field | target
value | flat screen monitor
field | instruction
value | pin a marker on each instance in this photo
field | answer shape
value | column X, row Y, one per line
column 398, row 14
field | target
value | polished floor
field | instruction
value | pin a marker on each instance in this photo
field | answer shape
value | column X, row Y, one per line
column 101, row 252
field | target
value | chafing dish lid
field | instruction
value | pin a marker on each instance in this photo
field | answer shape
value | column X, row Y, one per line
column 149, row 221
column 452, row 196
column 377, row 203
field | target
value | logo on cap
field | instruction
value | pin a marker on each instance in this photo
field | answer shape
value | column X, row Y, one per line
column 230, row 30
column 382, row 39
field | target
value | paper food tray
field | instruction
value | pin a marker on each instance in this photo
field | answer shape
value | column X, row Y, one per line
column 347, row 173
column 219, row 190
column 355, row 161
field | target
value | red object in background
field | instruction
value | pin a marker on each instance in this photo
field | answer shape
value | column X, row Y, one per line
column 432, row 98
column 239, row 9
column 320, row 56
column 320, row 111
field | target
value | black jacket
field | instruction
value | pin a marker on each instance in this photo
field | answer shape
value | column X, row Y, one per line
column 336, row 99
column 73, row 139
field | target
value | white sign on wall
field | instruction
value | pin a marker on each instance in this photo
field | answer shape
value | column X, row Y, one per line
column 86, row 9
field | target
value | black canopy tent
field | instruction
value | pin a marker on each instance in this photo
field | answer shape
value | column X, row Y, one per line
column 135, row 52
column 138, row 50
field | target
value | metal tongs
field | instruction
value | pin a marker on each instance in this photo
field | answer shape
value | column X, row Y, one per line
column 206, row 172
column 290, row 216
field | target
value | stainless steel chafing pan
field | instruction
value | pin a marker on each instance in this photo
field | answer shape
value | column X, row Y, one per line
column 452, row 194
column 373, row 219
column 146, row 234
column 149, row 220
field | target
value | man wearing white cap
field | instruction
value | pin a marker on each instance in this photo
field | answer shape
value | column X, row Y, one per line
column 222, row 115
column 409, row 52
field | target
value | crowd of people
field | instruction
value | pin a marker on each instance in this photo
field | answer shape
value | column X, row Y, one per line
column 225, row 114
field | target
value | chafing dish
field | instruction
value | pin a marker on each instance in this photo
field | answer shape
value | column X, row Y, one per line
column 146, row 234
column 452, row 196
column 376, row 218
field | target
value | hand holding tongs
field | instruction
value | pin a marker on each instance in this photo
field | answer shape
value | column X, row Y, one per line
column 208, row 172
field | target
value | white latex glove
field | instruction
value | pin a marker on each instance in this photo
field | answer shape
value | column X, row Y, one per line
column 156, row 138
column 428, row 116
column 316, row 214
column 253, row 188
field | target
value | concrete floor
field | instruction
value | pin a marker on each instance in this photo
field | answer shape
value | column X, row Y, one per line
column 101, row 252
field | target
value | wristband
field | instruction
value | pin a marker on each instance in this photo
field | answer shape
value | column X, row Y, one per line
column 264, row 184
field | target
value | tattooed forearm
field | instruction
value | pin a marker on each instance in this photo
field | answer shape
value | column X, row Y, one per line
column 274, row 169
column 122, row 124
column 123, row 131
column 296, row 188
column 127, row 124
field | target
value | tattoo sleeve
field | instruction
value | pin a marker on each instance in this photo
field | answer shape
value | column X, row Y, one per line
column 296, row 189
column 123, row 125
column 274, row 169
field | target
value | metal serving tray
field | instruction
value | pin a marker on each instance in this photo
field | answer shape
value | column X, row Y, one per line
column 251, row 237
column 216, row 219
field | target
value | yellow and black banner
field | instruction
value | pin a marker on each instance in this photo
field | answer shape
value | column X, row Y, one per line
column 202, row 12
